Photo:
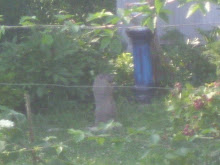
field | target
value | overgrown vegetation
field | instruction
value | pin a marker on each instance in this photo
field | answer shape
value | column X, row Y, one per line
column 180, row 127
column 184, row 60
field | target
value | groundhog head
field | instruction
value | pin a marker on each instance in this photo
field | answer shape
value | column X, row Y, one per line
column 107, row 77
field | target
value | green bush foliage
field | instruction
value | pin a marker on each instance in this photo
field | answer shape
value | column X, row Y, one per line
column 46, row 11
column 212, row 49
column 195, row 111
column 56, row 58
column 186, row 62
column 11, row 134
column 124, row 68
column 184, row 129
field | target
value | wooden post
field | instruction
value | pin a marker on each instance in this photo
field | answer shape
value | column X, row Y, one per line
column 30, row 124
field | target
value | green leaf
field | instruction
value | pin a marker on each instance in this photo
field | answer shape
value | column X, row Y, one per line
column 113, row 20
column 203, row 8
column 179, row 137
column 49, row 138
column 108, row 126
column 78, row 135
column 150, row 22
column 95, row 40
column 107, row 33
column 158, row 5
column 98, row 15
column 47, row 40
column 127, row 20
column 116, row 46
column 59, row 150
column 208, row 131
column 192, row 9
column 164, row 16
column 100, row 140
column 28, row 20
column 60, row 18
column 105, row 42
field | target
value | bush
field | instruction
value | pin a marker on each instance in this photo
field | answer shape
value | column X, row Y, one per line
column 55, row 58
column 186, row 62
column 12, row 136
column 124, row 69
column 194, row 115
column 212, row 49
column 195, row 111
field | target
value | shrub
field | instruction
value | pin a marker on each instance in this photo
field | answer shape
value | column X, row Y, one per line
column 195, row 111
column 56, row 57
column 11, row 134
column 187, row 62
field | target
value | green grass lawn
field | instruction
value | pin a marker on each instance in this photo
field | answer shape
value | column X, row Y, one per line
column 145, row 136
column 126, row 145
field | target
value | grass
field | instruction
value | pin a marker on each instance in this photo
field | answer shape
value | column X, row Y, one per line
column 125, row 145
column 145, row 137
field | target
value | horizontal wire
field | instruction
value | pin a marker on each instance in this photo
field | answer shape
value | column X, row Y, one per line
column 104, row 27
column 190, row 24
column 81, row 86
column 55, row 26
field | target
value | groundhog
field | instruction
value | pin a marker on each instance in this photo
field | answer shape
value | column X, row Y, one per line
column 104, row 101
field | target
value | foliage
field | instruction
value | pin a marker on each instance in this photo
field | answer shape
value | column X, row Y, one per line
column 10, row 96
column 46, row 11
column 65, row 140
column 203, row 6
column 212, row 50
column 51, row 57
column 148, row 134
column 194, row 114
column 26, row 20
column 149, row 13
column 11, row 134
column 183, row 131
column 154, row 10
column 124, row 69
column 186, row 61
column 197, row 109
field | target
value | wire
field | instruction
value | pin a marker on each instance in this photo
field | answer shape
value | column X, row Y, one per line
column 56, row 26
column 190, row 24
column 104, row 27
column 81, row 86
